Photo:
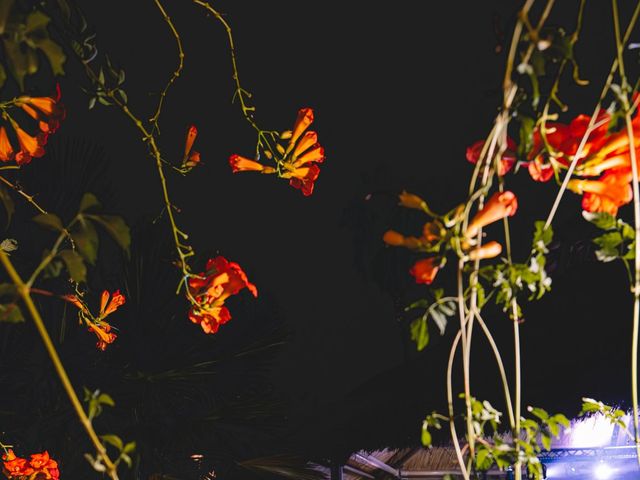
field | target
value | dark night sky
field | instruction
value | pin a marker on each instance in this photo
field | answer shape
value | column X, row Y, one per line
column 398, row 95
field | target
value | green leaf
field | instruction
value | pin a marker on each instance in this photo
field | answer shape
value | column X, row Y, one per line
column 75, row 265
column 564, row 421
column 5, row 196
column 483, row 459
column 49, row 220
column 129, row 447
column 539, row 412
column 609, row 240
column 113, row 440
column 420, row 333
column 553, row 428
column 602, row 220
column 126, row 459
column 422, row 303
column 105, row 399
column 526, row 135
column 89, row 200
column 607, row 254
column 37, row 36
column 116, row 227
column 628, row 233
column 85, row 237
column 426, row 438
column 542, row 236
column 440, row 319
column 11, row 313
column 123, row 95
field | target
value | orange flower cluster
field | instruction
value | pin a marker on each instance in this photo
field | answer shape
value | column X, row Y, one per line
column 211, row 288
column 298, row 161
column 604, row 154
column 499, row 206
column 47, row 112
column 108, row 305
column 40, row 467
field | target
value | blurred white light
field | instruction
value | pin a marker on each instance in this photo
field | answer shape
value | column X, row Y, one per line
column 603, row 471
column 595, row 431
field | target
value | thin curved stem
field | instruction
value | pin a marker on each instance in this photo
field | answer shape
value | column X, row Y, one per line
column 635, row 289
column 184, row 251
column 23, row 291
column 25, row 195
column 452, row 426
column 518, row 386
column 503, row 374
column 465, row 363
column 240, row 92
column 154, row 120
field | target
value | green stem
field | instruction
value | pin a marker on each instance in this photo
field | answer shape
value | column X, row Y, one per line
column 636, row 216
column 503, row 374
column 27, row 197
column 23, row 291
column 48, row 259
column 465, row 362
column 452, row 425
column 176, row 73
column 518, row 388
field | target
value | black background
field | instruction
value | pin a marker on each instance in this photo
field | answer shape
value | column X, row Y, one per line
column 399, row 92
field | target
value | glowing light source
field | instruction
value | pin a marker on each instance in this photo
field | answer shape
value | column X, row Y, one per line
column 595, row 431
column 603, row 471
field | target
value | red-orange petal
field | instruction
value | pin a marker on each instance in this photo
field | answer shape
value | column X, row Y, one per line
column 316, row 154
column 242, row 164
column 305, row 118
column 6, row 150
column 192, row 133
column 307, row 141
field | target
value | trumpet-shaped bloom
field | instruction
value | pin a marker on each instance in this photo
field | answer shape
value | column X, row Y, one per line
column 190, row 158
column 304, row 119
column 304, row 178
column 47, row 112
column 425, row 270
column 104, row 334
column 45, row 465
column 6, row 150
column 298, row 162
column 109, row 303
column 40, row 467
column 15, row 467
column 209, row 290
column 395, row 239
column 489, row 250
column 243, row 164
column 507, row 161
column 30, row 146
column 607, row 194
column 540, row 171
column 499, row 206
column 409, row 200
